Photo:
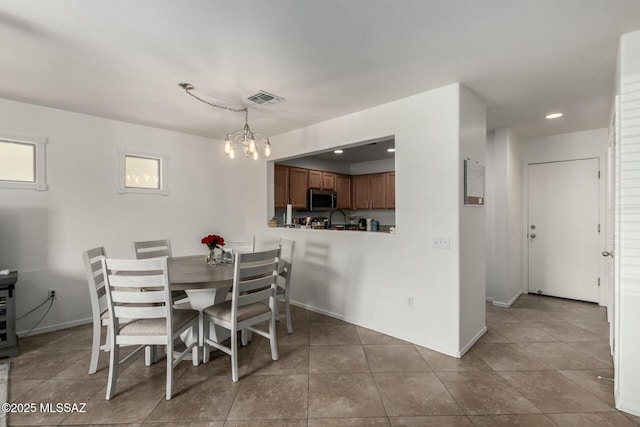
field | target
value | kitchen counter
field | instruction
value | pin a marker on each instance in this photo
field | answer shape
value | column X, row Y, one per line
column 384, row 229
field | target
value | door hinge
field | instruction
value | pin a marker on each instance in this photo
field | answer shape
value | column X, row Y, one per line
column 598, row 174
column 598, row 228
column 598, row 281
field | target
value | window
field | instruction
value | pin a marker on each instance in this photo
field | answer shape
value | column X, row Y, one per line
column 22, row 163
column 142, row 173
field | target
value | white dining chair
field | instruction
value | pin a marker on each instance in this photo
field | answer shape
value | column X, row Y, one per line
column 152, row 249
column 139, row 289
column 253, row 301
column 287, row 250
column 99, row 311
column 244, row 244
column 156, row 249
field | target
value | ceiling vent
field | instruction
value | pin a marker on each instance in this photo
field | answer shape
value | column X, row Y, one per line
column 265, row 98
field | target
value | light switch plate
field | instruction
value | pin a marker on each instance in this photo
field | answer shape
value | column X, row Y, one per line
column 441, row 242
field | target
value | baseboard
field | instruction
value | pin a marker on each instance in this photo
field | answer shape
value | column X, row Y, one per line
column 56, row 327
column 489, row 299
column 508, row 304
column 472, row 341
column 629, row 409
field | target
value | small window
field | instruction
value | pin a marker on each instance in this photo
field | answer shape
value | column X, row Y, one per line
column 22, row 163
column 142, row 173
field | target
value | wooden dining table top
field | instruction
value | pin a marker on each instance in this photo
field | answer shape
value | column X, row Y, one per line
column 193, row 272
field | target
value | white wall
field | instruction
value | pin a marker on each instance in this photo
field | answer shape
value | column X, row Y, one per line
column 473, row 130
column 627, row 251
column 366, row 278
column 319, row 164
column 43, row 233
column 568, row 146
column 504, row 226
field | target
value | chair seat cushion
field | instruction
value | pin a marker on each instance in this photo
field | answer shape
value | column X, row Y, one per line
column 158, row 326
column 222, row 311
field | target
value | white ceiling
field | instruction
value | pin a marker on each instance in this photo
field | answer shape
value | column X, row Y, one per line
column 123, row 59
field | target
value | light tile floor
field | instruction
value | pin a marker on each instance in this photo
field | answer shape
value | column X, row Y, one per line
column 538, row 365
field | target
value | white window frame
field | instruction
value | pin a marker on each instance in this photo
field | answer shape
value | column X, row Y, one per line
column 163, row 179
column 39, row 143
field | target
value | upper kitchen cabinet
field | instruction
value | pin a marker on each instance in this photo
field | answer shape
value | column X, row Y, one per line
column 370, row 191
column 281, row 186
column 390, row 190
column 343, row 191
column 321, row 180
column 290, row 187
column 298, row 186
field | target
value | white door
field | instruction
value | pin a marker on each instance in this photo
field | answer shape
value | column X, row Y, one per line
column 563, row 227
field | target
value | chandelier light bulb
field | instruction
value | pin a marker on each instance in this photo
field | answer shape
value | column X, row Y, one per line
column 255, row 155
column 232, row 153
column 267, row 148
column 227, row 145
column 252, row 146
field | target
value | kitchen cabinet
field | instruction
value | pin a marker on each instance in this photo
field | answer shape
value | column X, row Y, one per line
column 298, row 187
column 343, row 191
column 290, row 186
column 377, row 190
column 280, row 186
column 390, row 190
column 370, row 191
column 322, row 180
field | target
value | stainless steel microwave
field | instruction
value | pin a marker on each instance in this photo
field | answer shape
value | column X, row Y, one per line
column 322, row 200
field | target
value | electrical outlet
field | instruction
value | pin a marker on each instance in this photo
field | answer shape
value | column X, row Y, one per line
column 410, row 302
column 53, row 293
column 441, row 242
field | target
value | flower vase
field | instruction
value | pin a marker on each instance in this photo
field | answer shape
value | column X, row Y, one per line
column 211, row 259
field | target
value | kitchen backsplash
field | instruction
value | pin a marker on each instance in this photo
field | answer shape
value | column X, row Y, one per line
column 386, row 217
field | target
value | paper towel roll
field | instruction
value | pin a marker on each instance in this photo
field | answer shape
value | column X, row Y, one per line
column 289, row 213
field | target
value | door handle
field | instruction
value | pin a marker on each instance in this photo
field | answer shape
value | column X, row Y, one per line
column 532, row 235
column 607, row 253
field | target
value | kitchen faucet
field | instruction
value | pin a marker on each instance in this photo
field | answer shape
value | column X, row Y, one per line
column 334, row 211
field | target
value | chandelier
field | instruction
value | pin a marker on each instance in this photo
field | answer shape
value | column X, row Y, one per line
column 245, row 138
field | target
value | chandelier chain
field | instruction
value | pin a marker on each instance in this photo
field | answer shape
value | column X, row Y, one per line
column 244, row 110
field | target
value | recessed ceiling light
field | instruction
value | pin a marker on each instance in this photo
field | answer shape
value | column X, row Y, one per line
column 391, row 150
column 338, row 151
column 553, row 116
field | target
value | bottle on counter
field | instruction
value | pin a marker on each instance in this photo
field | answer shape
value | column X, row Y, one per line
column 369, row 220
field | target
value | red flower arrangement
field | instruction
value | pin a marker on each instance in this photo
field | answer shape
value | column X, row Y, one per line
column 213, row 241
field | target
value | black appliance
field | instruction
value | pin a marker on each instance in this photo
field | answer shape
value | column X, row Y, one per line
column 322, row 200
column 8, row 337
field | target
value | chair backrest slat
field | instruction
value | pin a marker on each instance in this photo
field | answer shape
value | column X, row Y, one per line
column 152, row 249
column 120, row 280
column 245, row 244
column 125, row 312
column 146, row 297
column 263, row 256
column 256, row 270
